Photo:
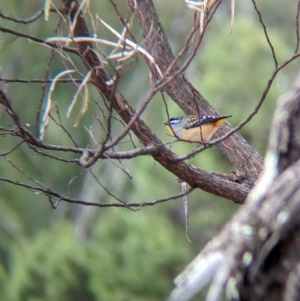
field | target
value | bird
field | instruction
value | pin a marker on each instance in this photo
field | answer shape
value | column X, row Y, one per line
column 194, row 128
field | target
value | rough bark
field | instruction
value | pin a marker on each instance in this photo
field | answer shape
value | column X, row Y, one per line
column 247, row 161
column 210, row 182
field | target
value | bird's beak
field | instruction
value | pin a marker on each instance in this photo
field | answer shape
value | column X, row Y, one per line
column 167, row 123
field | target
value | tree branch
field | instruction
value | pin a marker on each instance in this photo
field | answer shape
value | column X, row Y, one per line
column 245, row 158
column 188, row 173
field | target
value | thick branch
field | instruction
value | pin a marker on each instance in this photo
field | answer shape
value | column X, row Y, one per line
column 241, row 154
column 188, row 173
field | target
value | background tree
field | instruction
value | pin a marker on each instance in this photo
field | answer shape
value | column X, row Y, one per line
column 116, row 121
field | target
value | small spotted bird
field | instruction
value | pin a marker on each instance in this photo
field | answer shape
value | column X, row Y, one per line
column 195, row 128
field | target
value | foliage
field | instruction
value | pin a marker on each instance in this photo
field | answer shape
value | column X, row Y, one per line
column 127, row 257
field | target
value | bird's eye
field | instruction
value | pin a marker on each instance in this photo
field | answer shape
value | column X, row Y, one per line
column 175, row 120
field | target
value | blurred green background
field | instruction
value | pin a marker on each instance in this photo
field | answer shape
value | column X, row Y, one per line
column 89, row 253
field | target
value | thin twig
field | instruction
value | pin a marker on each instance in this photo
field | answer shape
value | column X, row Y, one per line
column 106, row 189
column 48, row 192
column 11, row 150
column 266, row 33
column 24, row 21
column 39, row 81
column 26, row 174
column 297, row 28
column 47, row 75
column 37, row 40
